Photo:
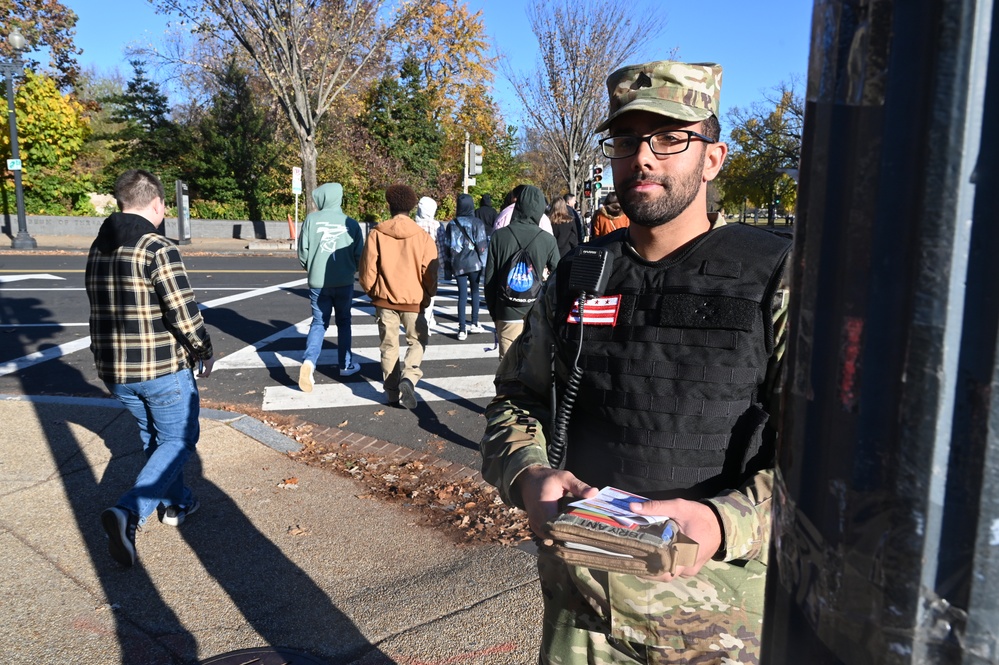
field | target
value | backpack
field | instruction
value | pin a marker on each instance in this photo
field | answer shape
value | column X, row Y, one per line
column 522, row 282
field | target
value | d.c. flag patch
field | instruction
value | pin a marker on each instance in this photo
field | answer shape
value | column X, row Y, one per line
column 596, row 311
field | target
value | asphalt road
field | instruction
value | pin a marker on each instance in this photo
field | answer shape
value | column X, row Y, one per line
column 257, row 309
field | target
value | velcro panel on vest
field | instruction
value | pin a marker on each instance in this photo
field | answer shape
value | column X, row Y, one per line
column 676, row 476
column 713, row 339
column 666, row 404
column 636, row 436
column 686, row 310
column 715, row 268
column 667, row 370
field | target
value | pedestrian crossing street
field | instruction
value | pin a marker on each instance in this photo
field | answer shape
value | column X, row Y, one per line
column 452, row 370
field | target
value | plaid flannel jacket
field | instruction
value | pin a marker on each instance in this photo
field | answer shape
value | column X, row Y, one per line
column 144, row 319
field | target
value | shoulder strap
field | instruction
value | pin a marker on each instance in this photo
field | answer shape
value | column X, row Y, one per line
column 465, row 233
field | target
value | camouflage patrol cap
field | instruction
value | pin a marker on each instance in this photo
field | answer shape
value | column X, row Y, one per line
column 680, row 90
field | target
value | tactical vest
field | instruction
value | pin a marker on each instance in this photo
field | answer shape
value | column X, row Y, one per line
column 669, row 393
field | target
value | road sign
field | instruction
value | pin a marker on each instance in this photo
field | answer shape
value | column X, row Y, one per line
column 296, row 180
column 13, row 164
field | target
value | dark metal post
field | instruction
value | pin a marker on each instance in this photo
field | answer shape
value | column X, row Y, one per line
column 887, row 499
column 22, row 240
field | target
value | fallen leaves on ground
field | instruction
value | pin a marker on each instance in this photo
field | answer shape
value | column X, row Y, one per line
column 469, row 512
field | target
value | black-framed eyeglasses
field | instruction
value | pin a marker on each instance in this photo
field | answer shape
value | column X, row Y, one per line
column 662, row 143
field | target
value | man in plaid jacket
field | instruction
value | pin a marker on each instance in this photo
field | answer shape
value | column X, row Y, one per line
column 147, row 335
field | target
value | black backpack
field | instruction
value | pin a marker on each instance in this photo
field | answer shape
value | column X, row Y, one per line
column 521, row 284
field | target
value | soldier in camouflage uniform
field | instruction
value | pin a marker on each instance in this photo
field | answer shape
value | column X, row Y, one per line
column 673, row 398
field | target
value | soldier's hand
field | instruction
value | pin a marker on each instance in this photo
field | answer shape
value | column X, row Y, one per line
column 697, row 521
column 541, row 488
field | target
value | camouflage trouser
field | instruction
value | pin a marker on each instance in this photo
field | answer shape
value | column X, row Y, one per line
column 601, row 618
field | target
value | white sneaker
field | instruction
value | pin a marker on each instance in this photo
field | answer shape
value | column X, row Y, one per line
column 306, row 376
column 350, row 368
column 476, row 329
column 462, row 336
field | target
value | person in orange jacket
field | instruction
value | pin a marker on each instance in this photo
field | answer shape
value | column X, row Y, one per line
column 609, row 217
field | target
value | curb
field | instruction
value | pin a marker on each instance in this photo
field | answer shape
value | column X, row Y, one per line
column 363, row 444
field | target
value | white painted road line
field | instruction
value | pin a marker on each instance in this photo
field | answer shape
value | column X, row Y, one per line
column 250, row 294
column 50, row 353
column 254, row 359
column 51, row 324
column 362, row 393
column 71, row 347
column 21, row 278
column 250, row 357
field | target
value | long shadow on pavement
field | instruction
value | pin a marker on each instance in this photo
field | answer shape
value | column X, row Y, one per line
column 261, row 581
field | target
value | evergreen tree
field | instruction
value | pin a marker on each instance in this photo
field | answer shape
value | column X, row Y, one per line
column 400, row 118
column 147, row 139
column 236, row 152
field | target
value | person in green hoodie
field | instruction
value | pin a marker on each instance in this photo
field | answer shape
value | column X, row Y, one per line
column 523, row 231
column 329, row 248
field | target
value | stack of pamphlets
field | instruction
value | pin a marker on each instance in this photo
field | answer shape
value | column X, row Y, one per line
column 613, row 508
column 603, row 533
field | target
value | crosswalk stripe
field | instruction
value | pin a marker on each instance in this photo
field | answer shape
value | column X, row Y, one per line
column 359, row 390
column 251, row 357
column 365, row 392
column 328, row 357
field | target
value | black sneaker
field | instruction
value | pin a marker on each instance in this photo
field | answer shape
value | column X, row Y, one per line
column 120, row 526
column 175, row 515
column 407, row 394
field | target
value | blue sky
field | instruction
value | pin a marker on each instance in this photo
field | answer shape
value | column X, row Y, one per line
column 758, row 44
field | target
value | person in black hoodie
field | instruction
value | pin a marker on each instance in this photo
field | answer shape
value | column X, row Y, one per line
column 487, row 213
column 522, row 232
column 147, row 334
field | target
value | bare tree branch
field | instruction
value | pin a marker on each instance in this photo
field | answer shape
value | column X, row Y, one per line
column 308, row 51
column 563, row 98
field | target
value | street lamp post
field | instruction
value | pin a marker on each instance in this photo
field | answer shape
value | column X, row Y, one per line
column 11, row 67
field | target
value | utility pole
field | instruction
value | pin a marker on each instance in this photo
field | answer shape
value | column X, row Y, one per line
column 464, row 174
column 886, row 506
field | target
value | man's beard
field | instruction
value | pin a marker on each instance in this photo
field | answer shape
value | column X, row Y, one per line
column 679, row 192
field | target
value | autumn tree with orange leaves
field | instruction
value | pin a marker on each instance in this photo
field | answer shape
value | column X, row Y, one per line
column 44, row 23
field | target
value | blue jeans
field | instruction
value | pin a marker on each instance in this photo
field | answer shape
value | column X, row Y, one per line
column 324, row 301
column 466, row 282
column 166, row 409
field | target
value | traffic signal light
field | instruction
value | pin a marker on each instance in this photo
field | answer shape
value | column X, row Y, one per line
column 587, row 189
column 597, row 177
column 474, row 159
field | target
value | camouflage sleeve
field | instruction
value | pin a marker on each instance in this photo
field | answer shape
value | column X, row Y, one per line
column 517, row 419
column 745, row 518
column 745, row 513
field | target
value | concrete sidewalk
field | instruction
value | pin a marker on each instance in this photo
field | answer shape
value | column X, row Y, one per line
column 316, row 568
